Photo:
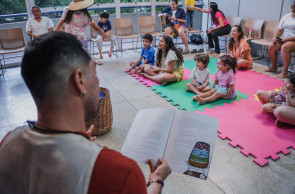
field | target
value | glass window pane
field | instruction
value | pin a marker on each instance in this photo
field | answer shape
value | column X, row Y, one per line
column 103, row 1
column 13, row 7
column 98, row 11
column 132, row 1
column 52, row 3
column 136, row 10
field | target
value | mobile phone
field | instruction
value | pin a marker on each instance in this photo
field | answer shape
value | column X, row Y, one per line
column 279, row 38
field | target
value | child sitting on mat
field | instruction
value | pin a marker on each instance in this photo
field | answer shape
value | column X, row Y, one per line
column 224, row 84
column 200, row 75
column 147, row 54
column 283, row 100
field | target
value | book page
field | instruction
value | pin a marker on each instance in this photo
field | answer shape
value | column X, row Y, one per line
column 190, row 144
column 148, row 134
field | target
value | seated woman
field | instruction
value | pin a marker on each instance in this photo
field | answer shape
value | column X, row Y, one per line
column 222, row 27
column 239, row 47
column 284, row 41
column 175, row 20
column 169, row 63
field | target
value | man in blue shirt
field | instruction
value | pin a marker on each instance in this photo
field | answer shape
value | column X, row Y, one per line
column 175, row 20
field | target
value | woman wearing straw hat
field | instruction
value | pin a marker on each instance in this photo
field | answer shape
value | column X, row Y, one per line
column 76, row 19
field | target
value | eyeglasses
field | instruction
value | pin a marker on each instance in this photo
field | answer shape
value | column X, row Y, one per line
column 218, row 63
column 36, row 11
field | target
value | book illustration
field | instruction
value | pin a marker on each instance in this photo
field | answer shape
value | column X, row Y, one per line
column 198, row 160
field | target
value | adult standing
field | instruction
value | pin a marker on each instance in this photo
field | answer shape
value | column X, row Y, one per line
column 284, row 41
column 239, row 47
column 175, row 20
column 38, row 25
column 55, row 154
column 222, row 27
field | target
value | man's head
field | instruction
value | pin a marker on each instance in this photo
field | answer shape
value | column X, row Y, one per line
column 57, row 69
column 36, row 12
column 104, row 16
column 147, row 40
column 174, row 4
column 293, row 6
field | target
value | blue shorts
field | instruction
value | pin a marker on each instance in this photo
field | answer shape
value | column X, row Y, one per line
column 223, row 91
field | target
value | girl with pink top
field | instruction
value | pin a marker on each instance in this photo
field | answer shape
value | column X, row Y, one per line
column 222, row 27
column 224, row 84
column 76, row 19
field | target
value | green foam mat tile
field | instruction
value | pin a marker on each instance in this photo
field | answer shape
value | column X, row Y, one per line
column 176, row 93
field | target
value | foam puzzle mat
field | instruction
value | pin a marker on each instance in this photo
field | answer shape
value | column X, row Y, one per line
column 240, row 120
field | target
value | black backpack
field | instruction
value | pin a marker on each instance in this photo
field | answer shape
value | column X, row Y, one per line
column 197, row 39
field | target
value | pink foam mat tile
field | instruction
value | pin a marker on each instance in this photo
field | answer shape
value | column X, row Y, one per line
column 255, row 133
column 249, row 81
column 144, row 81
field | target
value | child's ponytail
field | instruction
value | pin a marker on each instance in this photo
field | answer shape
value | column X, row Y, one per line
column 229, row 60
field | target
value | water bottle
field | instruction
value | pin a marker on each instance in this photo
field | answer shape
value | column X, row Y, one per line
column 250, row 34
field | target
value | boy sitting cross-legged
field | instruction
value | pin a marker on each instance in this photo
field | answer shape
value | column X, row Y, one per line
column 147, row 55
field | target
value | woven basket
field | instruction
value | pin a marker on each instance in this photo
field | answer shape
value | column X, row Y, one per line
column 104, row 119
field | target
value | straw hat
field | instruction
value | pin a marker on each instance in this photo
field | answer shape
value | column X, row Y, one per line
column 80, row 4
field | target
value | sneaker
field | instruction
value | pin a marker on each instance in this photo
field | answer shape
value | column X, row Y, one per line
column 97, row 61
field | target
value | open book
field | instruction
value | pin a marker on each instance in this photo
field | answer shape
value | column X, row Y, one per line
column 184, row 139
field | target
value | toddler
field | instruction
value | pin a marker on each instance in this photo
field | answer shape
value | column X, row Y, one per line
column 272, row 100
column 147, row 54
column 224, row 84
column 200, row 75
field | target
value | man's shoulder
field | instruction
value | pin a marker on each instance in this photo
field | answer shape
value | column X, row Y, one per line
column 116, row 159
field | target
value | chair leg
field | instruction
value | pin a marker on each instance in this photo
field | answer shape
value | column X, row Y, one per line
column 2, row 66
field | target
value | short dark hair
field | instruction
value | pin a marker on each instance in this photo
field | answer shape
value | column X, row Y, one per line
column 104, row 15
column 291, row 78
column 49, row 62
column 35, row 6
column 176, row 1
column 149, row 37
column 204, row 58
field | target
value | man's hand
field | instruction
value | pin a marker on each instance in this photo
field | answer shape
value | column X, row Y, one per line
column 89, row 132
column 159, row 171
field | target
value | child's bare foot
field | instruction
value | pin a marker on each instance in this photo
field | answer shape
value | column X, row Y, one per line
column 201, row 100
column 188, row 90
column 196, row 98
column 164, row 83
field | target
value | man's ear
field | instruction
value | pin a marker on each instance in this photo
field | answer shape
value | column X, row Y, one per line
column 80, row 81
